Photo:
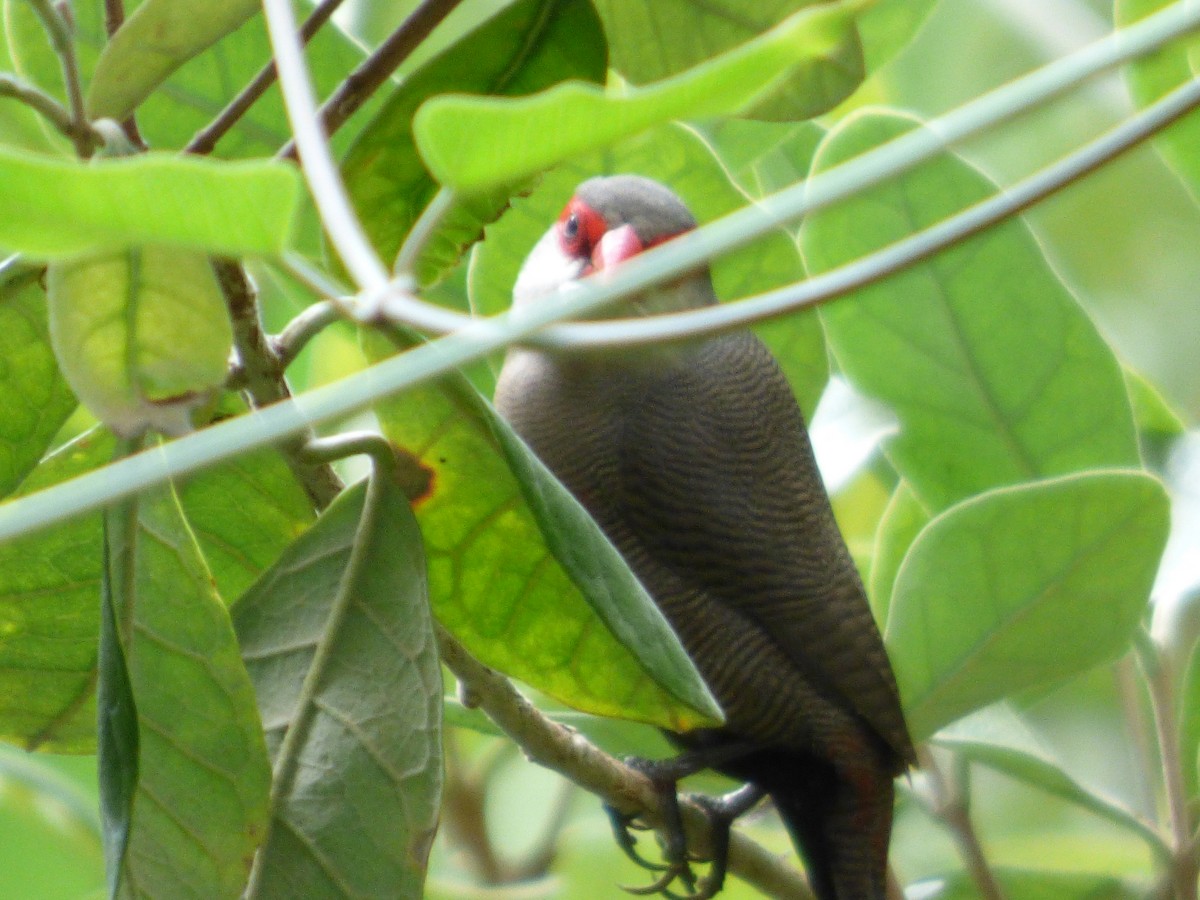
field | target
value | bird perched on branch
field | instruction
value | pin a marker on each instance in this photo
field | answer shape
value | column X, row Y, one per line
column 695, row 461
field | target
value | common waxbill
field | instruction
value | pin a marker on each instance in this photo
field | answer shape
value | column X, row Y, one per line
column 695, row 461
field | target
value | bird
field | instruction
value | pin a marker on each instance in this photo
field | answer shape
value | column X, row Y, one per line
column 694, row 459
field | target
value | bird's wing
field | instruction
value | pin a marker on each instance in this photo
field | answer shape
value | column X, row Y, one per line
column 719, row 484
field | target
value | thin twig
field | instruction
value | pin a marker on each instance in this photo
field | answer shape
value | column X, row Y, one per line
column 539, row 859
column 61, row 38
column 398, row 303
column 565, row 751
column 402, row 307
column 264, row 381
column 114, row 18
column 352, row 443
column 343, row 227
column 1128, row 687
column 360, row 84
column 49, row 108
column 949, row 804
column 463, row 801
column 422, row 230
column 1185, row 866
column 206, row 139
column 310, row 322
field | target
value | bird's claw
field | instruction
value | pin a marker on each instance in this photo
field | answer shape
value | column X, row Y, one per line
column 622, row 825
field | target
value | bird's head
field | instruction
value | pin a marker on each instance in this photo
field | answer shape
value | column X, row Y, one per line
column 607, row 221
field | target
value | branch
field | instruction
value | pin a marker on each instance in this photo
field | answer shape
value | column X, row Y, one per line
column 264, row 382
column 206, row 139
column 1185, row 867
column 345, row 231
column 948, row 803
column 114, row 18
column 59, row 30
column 565, row 751
column 360, row 84
column 50, row 109
column 307, row 324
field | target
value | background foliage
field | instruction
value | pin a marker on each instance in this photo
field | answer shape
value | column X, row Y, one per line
column 1008, row 429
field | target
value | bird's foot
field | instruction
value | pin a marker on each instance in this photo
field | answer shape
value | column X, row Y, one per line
column 721, row 813
column 676, row 866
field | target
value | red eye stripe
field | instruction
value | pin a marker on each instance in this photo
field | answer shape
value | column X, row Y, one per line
column 580, row 228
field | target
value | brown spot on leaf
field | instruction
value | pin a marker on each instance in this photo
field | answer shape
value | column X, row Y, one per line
column 414, row 477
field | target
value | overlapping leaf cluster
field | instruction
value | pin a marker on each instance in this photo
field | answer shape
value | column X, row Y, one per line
column 270, row 700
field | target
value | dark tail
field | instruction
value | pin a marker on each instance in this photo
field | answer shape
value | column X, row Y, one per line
column 840, row 818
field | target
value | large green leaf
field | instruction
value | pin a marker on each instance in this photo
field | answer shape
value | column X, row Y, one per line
column 159, row 37
column 574, row 622
column 339, row 642
column 200, row 807
column 1153, row 76
column 652, row 41
column 527, row 47
column 1021, row 587
column 902, row 521
column 142, row 336
column 677, row 157
column 243, row 514
column 34, row 398
column 55, row 208
column 996, row 374
column 473, row 143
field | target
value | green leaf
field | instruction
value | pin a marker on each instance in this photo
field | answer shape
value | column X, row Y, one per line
column 20, row 126
column 588, row 636
column 243, row 513
column 118, row 752
column 996, row 374
column 203, row 778
column 1021, row 587
column 339, row 642
column 159, row 37
column 1041, row 772
column 1037, row 885
column 472, row 143
column 1151, row 411
column 1189, row 723
column 52, row 208
column 888, row 26
column 763, row 157
column 677, row 157
column 1157, row 74
column 526, row 47
column 49, row 585
column 902, row 521
column 36, row 399
column 652, row 41
column 142, row 336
